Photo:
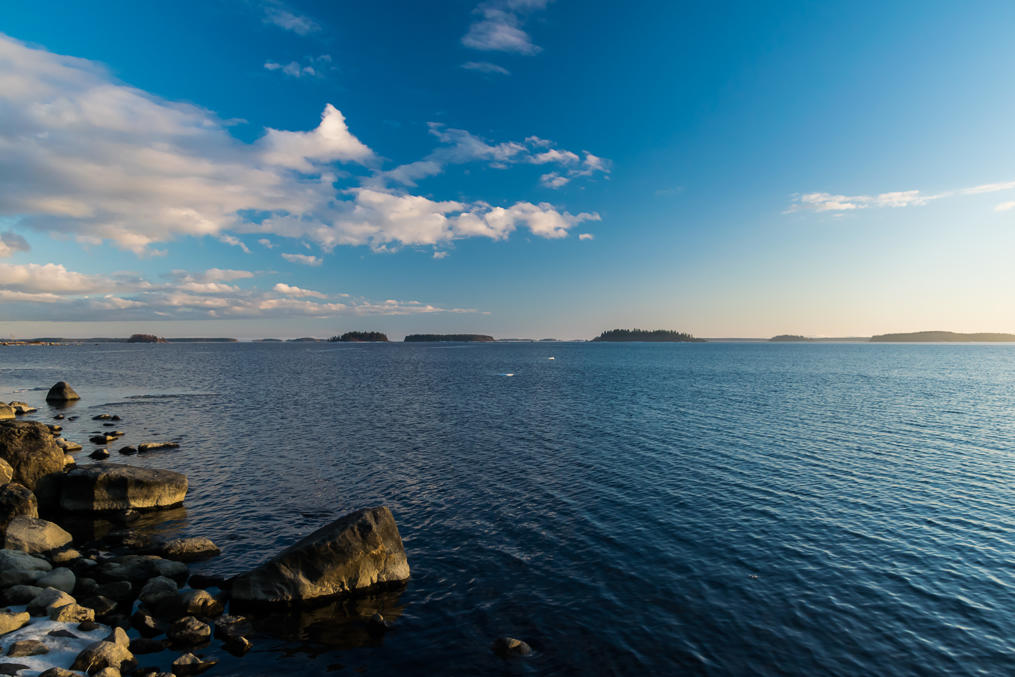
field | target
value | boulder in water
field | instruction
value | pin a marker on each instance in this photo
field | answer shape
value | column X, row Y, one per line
column 188, row 549
column 31, row 451
column 61, row 392
column 360, row 551
column 34, row 535
column 111, row 487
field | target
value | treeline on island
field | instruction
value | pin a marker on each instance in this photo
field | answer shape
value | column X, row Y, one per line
column 653, row 335
column 943, row 337
column 361, row 337
column 420, row 338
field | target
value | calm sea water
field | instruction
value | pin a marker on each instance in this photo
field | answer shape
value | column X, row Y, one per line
column 625, row 508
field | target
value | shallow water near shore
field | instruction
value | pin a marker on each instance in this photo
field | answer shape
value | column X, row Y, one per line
column 624, row 508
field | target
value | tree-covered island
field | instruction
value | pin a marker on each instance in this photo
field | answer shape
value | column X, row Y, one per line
column 654, row 335
column 361, row 337
column 422, row 338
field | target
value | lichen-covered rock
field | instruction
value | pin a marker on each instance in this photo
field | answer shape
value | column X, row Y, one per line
column 11, row 621
column 114, row 487
column 31, row 451
column 61, row 392
column 20, row 568
column 188, row 549
column 103, row 655
column 16, row 500
column 357, row 552
column 34, row 535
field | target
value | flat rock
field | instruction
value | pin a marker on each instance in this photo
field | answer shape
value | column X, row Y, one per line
column 61, row 392
column 155, row 446
column 34, row 535
column 189, row 664
column 116, row 487
column 12, row 668
column 12, row 620
column 31, row 451
column 67, row 445
column 19, row 568
column 357, row 552
column 59, row 672
column 27, row 647
column 188, row 549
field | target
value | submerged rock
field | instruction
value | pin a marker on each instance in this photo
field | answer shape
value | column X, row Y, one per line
column 357, row 552
column 155, row 446
column 508, row 647
column 61, row 392
column 31, row 451
column 34, row 535
column 115, row 487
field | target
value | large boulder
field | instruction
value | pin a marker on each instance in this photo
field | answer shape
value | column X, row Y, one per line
column 61, row 392
column 16, row 500
column 31, row 451
column 12, row 620
column 34, row 535
column 103, row 655
column 109, row 487
column 20, row 568
column 357, row 552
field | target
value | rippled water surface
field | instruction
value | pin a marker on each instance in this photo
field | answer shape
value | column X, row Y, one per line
column 625, row 508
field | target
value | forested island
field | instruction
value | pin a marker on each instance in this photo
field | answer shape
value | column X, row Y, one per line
column 361, row 337
column 788, row 338
column 421, row 338
column 943, row 337
column 654, row 335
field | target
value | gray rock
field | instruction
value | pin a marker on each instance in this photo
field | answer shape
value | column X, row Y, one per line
column 27, row 647
column 157, row 590
column 118, row 590
column 189, row 664
column 188, row 549
column 12, row 668
column 21, row 594
column 6, row 472
column 47, row 598
column 20, row 568
column 34, row 535
column 200, row 603
column 357, row 552
column 189, row 631
column 60, row 632
column 509, row 647
column 115, row 487
column 103, row 655
column 16, row 500
column 61, row 392
column 11, row 621
column 60, row 578
column 139, row 568
column 29, row 448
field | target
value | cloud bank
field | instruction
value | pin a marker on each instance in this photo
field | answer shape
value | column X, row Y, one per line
column 830, row 202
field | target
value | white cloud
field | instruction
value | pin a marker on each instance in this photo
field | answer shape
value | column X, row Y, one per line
column 830, row 202
column 52, row 292
column 1005, row 206
column 266, row 243
column 485, row 67
column 290, row 290
column 83, row 155
column 11, row 243
column 235, row 242
column 586, row 236
column 499, row 26
column 278, row 14
column 304, row 259
column 312, row 67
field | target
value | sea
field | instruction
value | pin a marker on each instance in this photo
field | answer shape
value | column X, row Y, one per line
column 626, row 509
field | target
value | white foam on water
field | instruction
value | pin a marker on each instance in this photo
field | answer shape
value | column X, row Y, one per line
column 62, row 650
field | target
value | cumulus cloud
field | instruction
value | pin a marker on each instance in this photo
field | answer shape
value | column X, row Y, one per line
column 304, row 259
column 586, row 236
column 485, row 67
column 831, row 202
column 52, row 292
column 498, row 26
column 83, row 155
column 11, row 243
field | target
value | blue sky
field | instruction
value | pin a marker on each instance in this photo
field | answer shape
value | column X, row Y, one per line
column 513, row 167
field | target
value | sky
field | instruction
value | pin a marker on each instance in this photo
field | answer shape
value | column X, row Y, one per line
column 520, row 168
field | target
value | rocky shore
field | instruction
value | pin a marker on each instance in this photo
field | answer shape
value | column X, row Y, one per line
column 125, row 603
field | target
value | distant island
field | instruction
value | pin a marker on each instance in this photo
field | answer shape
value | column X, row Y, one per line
column 145, row 338
column 420, row 338
column 305, row 339
column 361, row 337
column 789, row 338
column 943, row 337
column 655, row 336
